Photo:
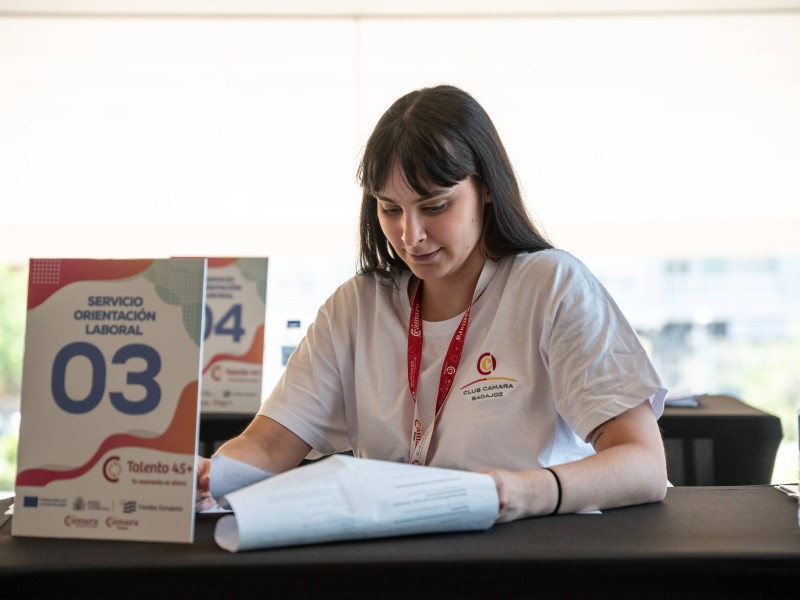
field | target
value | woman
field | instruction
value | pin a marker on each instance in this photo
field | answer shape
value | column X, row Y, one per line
column 466, row 341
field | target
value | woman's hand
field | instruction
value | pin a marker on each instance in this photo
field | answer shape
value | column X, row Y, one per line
column 265, row 444
column 203, row 499
column 524, row 493
column 628, row 467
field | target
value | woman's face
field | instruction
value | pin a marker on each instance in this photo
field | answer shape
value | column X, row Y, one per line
column 437, row 235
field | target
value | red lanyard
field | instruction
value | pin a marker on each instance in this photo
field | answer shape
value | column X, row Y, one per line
column 448, row 375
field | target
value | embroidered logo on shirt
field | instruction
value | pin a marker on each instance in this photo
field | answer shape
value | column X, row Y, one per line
column 487, row 388
column 487, row 363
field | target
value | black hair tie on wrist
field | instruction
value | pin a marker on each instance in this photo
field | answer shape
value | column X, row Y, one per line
column 558, row 485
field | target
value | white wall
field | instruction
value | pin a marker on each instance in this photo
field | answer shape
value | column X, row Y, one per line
column 235, row 134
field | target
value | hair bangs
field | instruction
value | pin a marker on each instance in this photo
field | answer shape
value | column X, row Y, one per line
column 426, row 159
column 427, row 162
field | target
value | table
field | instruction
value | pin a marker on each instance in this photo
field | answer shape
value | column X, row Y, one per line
column 721, row 442
column 709, row 542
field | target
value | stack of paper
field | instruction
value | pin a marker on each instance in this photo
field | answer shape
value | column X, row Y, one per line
column 342, row 498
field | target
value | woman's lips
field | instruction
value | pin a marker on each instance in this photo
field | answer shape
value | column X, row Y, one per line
column 422, row 258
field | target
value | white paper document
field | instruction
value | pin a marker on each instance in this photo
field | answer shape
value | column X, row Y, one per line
column 229, row 475
column 343, row 498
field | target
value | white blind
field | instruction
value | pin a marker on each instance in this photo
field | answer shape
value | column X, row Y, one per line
column 153, row 136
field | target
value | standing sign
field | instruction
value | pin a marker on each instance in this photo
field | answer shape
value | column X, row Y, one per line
column 108, row 436
column 236, row 292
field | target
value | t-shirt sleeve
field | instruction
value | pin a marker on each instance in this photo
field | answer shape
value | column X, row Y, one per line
column 308, row 398
column 597, row 365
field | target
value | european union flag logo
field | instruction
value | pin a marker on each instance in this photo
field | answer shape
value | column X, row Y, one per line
column 31, row 501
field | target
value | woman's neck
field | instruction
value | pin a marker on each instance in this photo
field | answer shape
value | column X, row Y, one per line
column 443, row 300
column 444, row 306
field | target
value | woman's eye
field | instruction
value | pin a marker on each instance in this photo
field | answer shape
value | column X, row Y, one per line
column 390, row 210
column 436, row 208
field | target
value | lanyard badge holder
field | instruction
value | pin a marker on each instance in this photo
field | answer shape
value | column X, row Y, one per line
column 420, row 440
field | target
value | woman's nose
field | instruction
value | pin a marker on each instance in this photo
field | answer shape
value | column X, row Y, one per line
column 413, row 230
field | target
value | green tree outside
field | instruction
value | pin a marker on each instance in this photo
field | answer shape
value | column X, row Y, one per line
column 13, row 282
column 13, row 285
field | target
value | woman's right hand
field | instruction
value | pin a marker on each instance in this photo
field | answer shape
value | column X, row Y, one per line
column 265, row 444
column 203, row 500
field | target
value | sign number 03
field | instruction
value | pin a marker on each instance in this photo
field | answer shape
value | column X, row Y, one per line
column 144, row 378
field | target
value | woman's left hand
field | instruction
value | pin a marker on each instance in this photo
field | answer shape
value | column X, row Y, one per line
column 524, row 493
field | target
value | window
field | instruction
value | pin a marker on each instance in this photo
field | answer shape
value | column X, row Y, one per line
column 658, row 146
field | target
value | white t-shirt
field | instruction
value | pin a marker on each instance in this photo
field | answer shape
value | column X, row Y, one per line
column 547, row 358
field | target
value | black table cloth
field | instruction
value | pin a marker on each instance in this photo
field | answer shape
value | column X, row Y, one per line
column 709, row 542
